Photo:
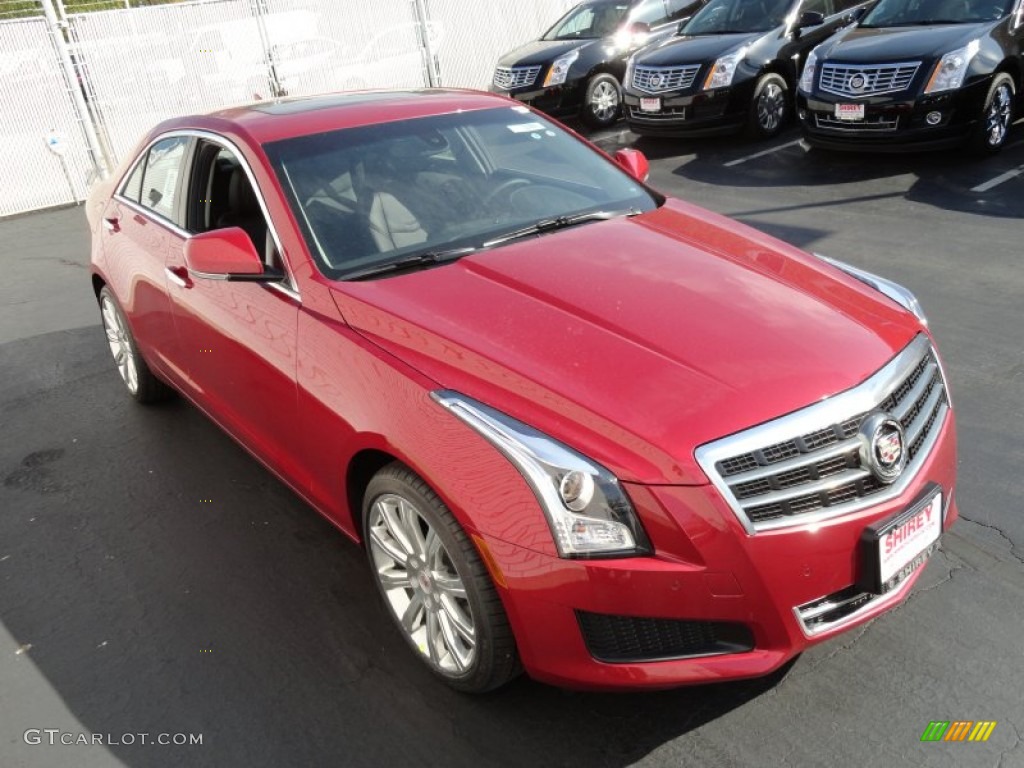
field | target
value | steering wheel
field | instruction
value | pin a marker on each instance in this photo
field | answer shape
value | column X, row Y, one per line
column 505, row 188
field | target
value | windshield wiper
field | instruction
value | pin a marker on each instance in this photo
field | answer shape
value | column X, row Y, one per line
column 925, row 23
column 559, row 222
column 409, row 262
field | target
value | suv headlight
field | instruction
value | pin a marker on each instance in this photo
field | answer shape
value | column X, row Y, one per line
column 898, row 293
column 951, row 70
column 588, row 511
column 723, row 70
column 807, row 77
column 560, row 68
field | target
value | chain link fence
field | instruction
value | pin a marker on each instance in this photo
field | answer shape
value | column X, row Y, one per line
column 137, row 62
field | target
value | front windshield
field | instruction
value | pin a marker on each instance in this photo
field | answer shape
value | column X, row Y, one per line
column 901, row 13
column 720, row 17
column 374, row 195
column 588, row 21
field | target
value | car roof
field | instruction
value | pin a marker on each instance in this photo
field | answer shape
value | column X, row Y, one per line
column 270, row 121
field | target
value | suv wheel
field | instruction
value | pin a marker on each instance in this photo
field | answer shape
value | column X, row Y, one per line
column 996, row 117
column 602, row 101
column 769, row 108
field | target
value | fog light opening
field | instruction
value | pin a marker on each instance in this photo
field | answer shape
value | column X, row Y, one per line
column 933, row 118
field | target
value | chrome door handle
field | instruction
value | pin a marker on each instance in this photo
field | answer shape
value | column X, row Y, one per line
column 111, row 225
column 174, row 274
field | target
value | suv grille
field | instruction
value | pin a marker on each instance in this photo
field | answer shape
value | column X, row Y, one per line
column 624, row 639
column 515, row 77
column 881, row 124
column 867, row 80
column 660, row 79
column 806, row 466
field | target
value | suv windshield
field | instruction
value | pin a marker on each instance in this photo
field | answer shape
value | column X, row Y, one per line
column 901, row 13
column 423, row 190
column 721, row 17
column 588, row 21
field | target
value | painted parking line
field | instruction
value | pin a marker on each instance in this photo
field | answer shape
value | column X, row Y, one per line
column 1000, row 179
column 763, row 153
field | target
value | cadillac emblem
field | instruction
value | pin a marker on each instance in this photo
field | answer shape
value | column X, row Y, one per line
column 657, row 80
column 857, row 82
column 882, row 448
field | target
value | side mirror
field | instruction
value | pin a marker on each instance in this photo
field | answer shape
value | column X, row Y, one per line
column 225, row 254
column 810, row 19
column 634, row 163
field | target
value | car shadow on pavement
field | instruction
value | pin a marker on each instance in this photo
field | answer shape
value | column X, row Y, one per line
column 157, row 580
column 947, row 180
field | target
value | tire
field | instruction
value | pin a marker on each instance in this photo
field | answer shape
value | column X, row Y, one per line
column 602, row 101
column 138, row 379
column 769, row 108
column 453, row 617
column 996, row 117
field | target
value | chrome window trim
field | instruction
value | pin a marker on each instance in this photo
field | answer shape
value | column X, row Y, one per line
column 846, row 95
column 863, row 398
column 289, row 281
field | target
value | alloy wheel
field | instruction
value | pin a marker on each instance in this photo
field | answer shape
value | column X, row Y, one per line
column 998, row 116
column 771, row 107
column 421, row 584
column 604, row 101
column 120, row 345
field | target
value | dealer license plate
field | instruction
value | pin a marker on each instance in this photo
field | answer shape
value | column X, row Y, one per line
column 650, row 105
column 899, row 545
column 849, row 111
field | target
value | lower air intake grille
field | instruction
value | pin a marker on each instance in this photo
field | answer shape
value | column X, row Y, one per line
column 624, row 639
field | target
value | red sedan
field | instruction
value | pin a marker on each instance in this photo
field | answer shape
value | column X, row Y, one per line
column 581, row 429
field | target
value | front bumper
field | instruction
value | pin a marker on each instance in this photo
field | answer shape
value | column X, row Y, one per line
column 893, row 122
column 689, row 113
column 707, row 569
column 564, row 100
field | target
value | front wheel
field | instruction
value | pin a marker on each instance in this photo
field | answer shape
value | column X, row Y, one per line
column 996, row 117
column 769, row 108
column 602, row 101
column 435, row 585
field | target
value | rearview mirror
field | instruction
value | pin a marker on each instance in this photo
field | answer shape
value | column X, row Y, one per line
column 225, row 254
column 810, row 19
column 634, row 163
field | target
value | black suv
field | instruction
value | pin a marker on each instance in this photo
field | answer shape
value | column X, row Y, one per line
column 734, row 65
column 576, row 68
column 918, row 74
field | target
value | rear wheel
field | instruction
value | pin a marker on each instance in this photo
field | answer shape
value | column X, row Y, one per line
column 435, row 585
column 769, row 108
column 139, row 380
column 996, row 117
column 602, row 101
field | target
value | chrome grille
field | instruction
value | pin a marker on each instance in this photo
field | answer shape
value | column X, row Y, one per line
column 666, row 113
column 873, row 124
column 508, row 78
column 807, row 466
column 661, row 79
column 855, row 80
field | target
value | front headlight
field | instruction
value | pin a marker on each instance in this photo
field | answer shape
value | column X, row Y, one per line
column 588, row 511
column 807, row 78
column 898, row 293
column 724, row 70
column 951, row 70
column 560, row 68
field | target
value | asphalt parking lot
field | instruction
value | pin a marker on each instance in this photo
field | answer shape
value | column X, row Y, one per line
column 129, row 604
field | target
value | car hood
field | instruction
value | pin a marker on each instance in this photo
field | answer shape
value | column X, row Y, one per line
column 542, row 52
column 689, row 50
column 858, row 45
column 636, row 340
